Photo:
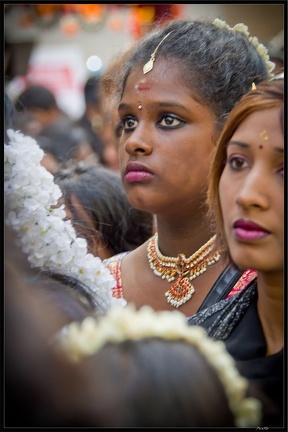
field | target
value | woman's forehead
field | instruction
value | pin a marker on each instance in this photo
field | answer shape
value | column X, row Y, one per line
column 163, row 74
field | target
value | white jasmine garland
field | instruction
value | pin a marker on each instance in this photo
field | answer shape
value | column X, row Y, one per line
column 80, row 339
column 260, row 48
column 30, row 199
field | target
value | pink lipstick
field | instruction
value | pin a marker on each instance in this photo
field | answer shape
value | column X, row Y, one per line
column 136, row 172
column 248, row 230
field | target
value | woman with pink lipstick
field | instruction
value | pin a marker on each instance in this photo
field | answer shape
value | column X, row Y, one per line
column 246, row 192
column 176, row 87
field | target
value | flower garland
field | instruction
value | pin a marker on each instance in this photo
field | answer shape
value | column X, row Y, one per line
column 50, row 241
column 80, row 339
column 260, row 48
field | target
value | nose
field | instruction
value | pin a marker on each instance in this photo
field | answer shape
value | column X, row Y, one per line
column 140, row 141
column 254, row 190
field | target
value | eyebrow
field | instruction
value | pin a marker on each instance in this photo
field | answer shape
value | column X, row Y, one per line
column 239, row 143
column 244, row 145
column 172, row 104
column 123, row 106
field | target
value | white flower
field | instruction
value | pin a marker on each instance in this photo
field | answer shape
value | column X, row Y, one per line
column 50, row 242
column 270, row 67
column 260, row 48
column 242, row 28
column 221, row 24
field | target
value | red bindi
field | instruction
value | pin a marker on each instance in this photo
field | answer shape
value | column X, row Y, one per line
column 260, row 146
column 143, row 86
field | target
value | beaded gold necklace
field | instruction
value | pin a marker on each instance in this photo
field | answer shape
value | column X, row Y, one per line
column 185, row 269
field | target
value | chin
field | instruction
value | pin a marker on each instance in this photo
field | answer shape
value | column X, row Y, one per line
column 245, row 261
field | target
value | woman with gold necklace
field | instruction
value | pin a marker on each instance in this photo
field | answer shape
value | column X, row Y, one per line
column 175, row 89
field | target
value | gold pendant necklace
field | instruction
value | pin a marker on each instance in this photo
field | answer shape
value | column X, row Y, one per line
column 182, row 268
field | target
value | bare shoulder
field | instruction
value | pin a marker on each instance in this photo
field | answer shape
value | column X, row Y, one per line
column 136, row 260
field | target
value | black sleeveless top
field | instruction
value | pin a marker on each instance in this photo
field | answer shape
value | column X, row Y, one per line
column 236, row 322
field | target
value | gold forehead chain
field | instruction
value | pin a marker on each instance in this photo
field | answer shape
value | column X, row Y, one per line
column 149, row 65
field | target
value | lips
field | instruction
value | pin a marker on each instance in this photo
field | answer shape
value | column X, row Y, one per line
column 137, row 172
column 248, row 230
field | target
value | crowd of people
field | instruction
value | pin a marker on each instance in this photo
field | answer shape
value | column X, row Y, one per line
column 37, row 114
column 153, row 290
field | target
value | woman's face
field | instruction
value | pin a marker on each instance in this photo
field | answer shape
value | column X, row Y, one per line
column 251, row 192
column 166, row 143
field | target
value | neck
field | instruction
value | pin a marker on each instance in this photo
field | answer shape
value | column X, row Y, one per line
column 186, row 240
column 271, row 309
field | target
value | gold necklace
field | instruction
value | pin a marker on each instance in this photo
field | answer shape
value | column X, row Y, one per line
column 182, row 268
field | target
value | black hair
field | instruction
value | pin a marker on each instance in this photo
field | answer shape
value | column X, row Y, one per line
column 36, row 96
column 155, row 383
column 92, row 91
column 61, row 142
column 218, row 65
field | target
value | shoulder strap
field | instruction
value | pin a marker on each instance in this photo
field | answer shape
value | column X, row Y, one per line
column 222, row 286
column 114, row 265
